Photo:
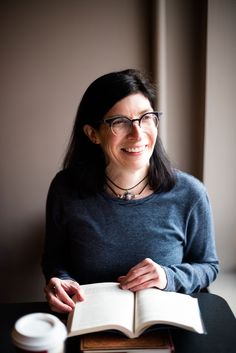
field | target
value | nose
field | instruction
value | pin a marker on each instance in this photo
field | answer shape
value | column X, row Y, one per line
column 135, row 130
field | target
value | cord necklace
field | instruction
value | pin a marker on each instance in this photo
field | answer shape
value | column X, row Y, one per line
column 127, row 195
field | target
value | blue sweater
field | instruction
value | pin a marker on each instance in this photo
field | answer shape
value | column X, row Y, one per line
column 97, row 239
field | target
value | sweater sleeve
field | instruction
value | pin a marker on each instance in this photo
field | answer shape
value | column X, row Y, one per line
column 55, row 256
column 200, row 263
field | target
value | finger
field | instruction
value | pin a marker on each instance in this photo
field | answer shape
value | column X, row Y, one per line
column 75, row 290
column 140, row 280
column 50, row 291
column 141, row 268
column 58, row 306
column 121, row 279
column 57, row 297
column 148, row 284
column 52, row 286
column 80, row 296
column 144, row 271
column 70, row 289
column 62, row 295
column 156, row 278
column 135, row 274
column 143, row 263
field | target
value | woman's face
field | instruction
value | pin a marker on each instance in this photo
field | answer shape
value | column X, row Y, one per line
column 131, row 150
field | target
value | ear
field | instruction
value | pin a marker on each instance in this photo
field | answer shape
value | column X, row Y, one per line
column 91, row 133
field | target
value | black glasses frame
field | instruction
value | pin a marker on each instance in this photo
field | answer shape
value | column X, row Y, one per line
column 109, row 121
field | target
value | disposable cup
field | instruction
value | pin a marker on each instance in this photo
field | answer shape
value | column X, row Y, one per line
column 39, row 332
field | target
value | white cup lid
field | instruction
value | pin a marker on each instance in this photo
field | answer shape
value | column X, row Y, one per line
column 38, row 331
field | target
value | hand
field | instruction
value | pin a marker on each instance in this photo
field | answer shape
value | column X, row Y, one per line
column 59, row 292
column 145, row 274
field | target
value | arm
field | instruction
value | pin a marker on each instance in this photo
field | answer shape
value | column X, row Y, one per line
column 54, row 259
column 200, row 263
column 199, row 266
column 60, row 286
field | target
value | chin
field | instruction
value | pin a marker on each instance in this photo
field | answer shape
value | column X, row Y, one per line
column 139, row 165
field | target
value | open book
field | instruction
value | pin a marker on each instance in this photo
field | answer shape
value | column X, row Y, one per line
column 107, row 307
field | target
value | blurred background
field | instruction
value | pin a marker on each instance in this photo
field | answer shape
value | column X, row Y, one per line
column 51, row 50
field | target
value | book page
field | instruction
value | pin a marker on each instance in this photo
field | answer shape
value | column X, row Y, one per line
column 156, row 306
column 106, row 306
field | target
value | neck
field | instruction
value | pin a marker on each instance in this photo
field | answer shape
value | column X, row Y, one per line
column 126, row 179
column 127, row 185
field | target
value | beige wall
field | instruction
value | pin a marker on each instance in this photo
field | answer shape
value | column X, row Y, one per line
column 197, row 79
column 220, row 141
column 51, row 51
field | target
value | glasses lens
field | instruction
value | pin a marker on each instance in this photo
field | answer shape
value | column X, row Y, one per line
column 149, row 121
column 120, row 126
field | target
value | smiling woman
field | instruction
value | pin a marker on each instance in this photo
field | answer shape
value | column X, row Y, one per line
column 118, row 192
column 127, row 142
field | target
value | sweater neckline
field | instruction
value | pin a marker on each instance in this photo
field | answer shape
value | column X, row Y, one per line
column 127, row 202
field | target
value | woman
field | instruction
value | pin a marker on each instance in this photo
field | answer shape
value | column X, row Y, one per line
column 118, row 211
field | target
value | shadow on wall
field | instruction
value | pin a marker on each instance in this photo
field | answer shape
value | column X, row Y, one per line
column 21, row 275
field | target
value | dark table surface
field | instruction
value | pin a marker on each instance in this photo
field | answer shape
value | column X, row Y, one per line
column 220, row 324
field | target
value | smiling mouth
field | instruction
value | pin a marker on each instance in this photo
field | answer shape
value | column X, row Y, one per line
column 135, row 149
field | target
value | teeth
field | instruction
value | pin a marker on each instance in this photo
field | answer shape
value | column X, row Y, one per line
column 135, row 149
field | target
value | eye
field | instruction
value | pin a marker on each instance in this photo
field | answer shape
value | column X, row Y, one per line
column 148, row 116
column 118, row 122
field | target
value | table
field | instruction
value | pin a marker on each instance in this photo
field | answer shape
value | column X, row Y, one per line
column 218, row 318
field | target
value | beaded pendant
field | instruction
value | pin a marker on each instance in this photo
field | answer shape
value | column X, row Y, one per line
column 128, row 196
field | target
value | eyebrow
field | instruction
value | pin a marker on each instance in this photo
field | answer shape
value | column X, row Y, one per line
column 126, row 116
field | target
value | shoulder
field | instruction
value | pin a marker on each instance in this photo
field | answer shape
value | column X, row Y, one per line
column 189, row 186
column 62, row 183
column 61, row 178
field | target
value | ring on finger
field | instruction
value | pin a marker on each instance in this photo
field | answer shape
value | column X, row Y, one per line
column 54, row 290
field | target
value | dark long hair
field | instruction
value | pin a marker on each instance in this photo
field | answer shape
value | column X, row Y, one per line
column 84, row 159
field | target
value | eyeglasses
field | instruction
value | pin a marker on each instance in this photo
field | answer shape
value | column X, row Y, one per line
column 122, row 125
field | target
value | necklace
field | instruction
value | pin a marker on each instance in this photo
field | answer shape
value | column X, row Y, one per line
column 127, row 195
column 126, row 189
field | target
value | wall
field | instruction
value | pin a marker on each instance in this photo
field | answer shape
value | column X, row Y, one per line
column 50, row 52
column 196, row 73
column 220, row 142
